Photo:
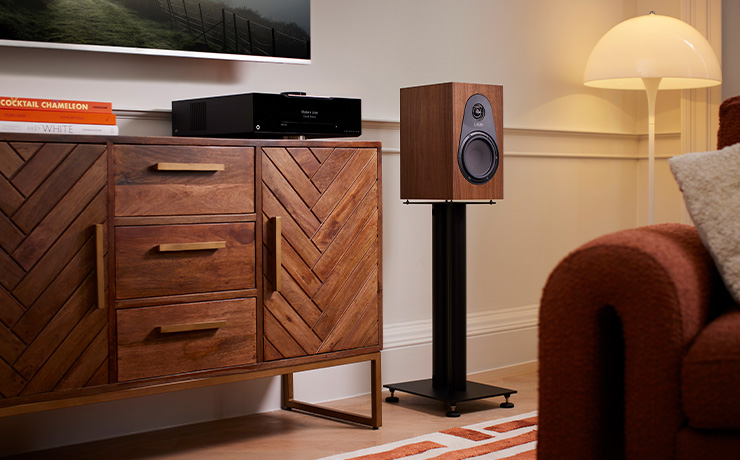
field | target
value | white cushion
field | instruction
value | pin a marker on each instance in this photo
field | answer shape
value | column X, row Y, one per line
column 710, row 182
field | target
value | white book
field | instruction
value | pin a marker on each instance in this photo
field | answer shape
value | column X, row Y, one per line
column 56, row 128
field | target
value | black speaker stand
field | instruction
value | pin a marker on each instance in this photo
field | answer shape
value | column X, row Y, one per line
column 449, row 367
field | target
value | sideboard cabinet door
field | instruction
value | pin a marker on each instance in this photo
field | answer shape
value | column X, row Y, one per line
column 53, row 252
column 321, row 220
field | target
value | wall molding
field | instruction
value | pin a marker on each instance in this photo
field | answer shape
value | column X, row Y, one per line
column 700, row 107
column 548, row 143
column 419, row 332
column 520, row 142
column 151, row 114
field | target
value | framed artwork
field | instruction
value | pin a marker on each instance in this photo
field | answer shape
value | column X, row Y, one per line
column 249, row 30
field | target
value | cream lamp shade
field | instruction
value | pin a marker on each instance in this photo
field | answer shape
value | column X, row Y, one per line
column 649, row 53
column 652, row 46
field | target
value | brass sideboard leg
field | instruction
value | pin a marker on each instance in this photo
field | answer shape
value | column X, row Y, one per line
column 375, row 420
column 375, row 392
column 286, row 390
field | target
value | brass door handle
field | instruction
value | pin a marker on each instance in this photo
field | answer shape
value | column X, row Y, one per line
column 189, row 327
column 201, row 246
column 199, row 167
column 100, row 264
column 276, row 223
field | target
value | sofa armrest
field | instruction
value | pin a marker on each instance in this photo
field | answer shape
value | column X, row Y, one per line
column 616, row 318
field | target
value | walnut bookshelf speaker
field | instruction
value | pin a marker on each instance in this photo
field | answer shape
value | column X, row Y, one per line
column 452, row 142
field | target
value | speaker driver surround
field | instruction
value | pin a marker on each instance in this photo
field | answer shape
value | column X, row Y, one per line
column 478, row 157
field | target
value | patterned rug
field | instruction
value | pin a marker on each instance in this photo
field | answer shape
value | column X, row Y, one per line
column 513, row 438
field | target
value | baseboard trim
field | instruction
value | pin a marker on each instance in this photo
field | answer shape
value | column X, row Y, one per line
column 413, row 333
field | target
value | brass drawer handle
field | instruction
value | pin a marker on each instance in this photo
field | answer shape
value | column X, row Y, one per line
column 201, row 167
column 203, row 246
column 100, row 265
column 189, row 327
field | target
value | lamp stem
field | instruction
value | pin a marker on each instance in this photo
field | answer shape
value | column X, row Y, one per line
column 651, row 89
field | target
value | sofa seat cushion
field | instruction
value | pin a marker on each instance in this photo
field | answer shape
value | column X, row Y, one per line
column 711, row 376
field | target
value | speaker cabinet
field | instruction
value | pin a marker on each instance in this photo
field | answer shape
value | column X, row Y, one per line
column 452, row 142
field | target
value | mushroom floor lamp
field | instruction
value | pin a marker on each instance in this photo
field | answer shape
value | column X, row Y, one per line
column 648, row 53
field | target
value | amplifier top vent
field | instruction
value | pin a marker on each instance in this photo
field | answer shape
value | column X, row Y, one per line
column 198, row 116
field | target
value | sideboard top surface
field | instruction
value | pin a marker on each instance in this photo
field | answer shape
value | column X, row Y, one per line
column 169, row 140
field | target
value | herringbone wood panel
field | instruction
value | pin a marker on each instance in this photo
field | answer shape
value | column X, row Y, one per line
column 52, row 336
column 328, row 203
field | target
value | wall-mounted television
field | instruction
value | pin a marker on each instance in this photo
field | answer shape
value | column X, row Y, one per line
column 248, row 30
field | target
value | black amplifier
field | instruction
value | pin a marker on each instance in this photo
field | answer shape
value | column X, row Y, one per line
column 263, row 115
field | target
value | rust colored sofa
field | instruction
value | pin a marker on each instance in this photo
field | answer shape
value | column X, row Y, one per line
column 639, row 348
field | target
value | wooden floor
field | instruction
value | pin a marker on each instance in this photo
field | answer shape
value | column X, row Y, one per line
column 291, row 435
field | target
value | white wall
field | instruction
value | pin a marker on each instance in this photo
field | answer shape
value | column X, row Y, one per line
column 572, row 159
column 370, row 50
column 730, row 49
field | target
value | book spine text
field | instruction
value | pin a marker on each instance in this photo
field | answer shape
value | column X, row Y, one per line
column 54, row 105
column 58, row 117
column 56, row 128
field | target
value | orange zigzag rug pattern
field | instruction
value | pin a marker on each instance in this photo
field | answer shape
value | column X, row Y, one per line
column 512, row 438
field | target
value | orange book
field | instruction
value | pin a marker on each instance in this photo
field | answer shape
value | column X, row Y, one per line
column 58, row 117
column 54, row 105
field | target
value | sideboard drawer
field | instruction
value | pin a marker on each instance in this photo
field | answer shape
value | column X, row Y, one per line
column 160, row 180
column 172, row 339
column 182, row 259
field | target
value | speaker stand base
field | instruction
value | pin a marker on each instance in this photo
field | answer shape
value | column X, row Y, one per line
column 473, row 391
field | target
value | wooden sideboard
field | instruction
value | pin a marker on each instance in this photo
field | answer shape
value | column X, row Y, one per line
column 139, row 265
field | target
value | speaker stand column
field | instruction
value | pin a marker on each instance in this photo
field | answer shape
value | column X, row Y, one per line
column 449, row 318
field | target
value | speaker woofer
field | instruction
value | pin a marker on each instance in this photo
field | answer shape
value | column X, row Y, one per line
column 478, row 157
